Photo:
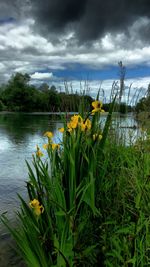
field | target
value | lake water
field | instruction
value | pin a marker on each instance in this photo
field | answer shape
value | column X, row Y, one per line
column 19, row 135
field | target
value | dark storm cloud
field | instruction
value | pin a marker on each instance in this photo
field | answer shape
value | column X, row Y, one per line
column 89, row 18
column 11, row 10
column 7, row 9
column 57, row 14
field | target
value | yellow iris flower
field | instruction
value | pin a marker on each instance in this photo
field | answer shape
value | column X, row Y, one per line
column 46, row 146
column 86, row 125
column 97, row 106
column 75, row 121
column 54, row 146
column 39, row 152
column 61, row 130
column 48, row 134
column 35, row 205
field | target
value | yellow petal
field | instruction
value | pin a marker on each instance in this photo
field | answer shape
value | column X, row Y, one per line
column 54, row 146
column 97, row 104
column 38, row 210
column 48, row 134
column 34, row 203
column 46, row 146
column 39, row 153
column 61, row 130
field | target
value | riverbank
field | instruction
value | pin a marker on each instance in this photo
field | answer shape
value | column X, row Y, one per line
column 144, row 119
column 48, row 113
column 142, row 116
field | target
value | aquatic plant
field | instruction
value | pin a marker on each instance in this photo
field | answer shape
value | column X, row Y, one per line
column 88, row 201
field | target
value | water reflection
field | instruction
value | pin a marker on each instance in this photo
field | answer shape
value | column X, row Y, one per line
column 19, row 135
column 19, row 127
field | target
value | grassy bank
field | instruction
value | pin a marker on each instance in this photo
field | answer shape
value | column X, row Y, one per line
column 144, row 119
column 88, row 202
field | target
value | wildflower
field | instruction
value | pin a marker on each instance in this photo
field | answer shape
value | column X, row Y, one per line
column 97, row 105
column 48, row 134
column 69, row 127
column 85, row 125
column 35, row 205
column 61, row 130
column 74, row 122
column 76, row 118
column 55, row 146
column 96, row 136
column 46, row 146
column 39, row 153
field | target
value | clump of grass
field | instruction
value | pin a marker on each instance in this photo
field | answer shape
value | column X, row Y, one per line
column 89, row 202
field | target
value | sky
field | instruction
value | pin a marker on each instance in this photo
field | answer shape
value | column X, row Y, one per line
column 77, row 41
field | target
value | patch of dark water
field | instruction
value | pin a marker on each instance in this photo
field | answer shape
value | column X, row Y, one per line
column 8, row 255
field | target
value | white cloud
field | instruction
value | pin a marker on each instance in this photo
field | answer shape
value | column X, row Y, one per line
column 138, row 82
column 42, row 76
column 107, row 42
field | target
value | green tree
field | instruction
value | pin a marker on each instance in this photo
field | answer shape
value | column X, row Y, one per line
column 44, row 87
column 18, row 94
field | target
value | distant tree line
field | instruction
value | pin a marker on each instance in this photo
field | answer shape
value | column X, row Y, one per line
column 19, row 95
column 122, row 107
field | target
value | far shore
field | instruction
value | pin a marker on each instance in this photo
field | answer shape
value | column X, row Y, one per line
column 46, row 113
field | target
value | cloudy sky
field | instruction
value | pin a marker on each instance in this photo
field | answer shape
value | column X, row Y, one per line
column 53, row 40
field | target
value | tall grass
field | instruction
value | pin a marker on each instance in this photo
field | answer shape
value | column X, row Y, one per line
column 89, row 202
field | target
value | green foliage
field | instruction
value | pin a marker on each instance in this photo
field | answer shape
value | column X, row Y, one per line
column 143, row 104
column 2, row 106
column 125, row 202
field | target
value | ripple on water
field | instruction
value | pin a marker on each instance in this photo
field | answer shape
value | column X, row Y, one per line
column 8, row 256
